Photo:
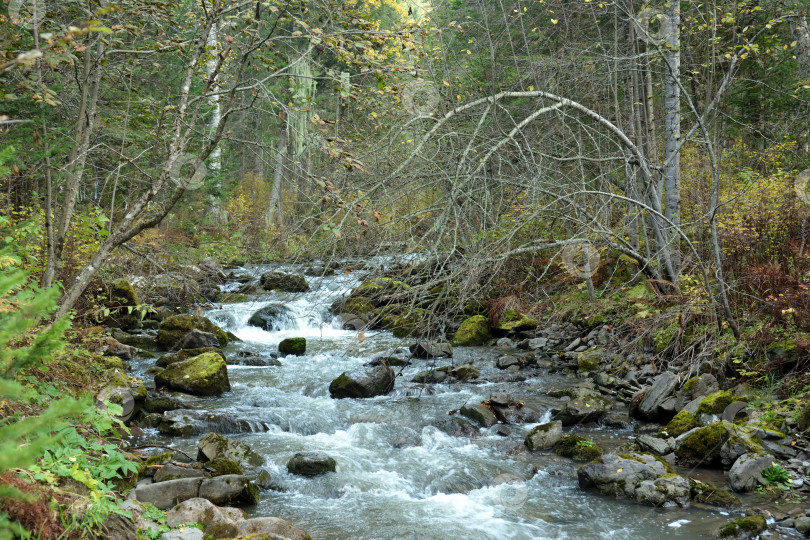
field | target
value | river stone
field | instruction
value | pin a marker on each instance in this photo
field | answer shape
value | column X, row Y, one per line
column 112, row 347
column 512, row 321
column 215, row 446
column 802, row 524
column 122, row 303
column 182, row 422
column 368, row 383
column 431, row 376
column 742, row 528
column 139, row 341
column 272, row 527
column 662, row 387
column 431, row 349
column 187, row 533
column 164, row 495
column 173, row 329
column 204, row 512
column 657, row 446
column 505, row 362
column 197, row 339
column 311, row 464
column 272, row 318
column 705, row 493
column 170, row 471
column 590, row 407
column 282, row 281
column 480, row 415
column 205, row 375
column 184, row 354
column 702, row 445
column 465, row 372
column 696, row 387
column 640, row 477
column 538, row 343
column 517, row 413
column 229, row 488
column 746, row 472
column 544, row 436
column 296, row 346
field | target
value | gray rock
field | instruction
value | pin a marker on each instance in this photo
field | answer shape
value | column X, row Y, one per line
column 505, row 342
column 745, row 474
column 214, row 446
column 274, row 317
column 698, row 387
column 544, row 436
column 376, row 381
column 639, row 477
column 589, row 407
column 228, row 489
column 802, row 524
column 311, row 464
column 538, row 343
column 165, row 495
column 515, row 413
column 281, row 281
column 657, row 446
column 573, row 345
column 431, row 376
column 271, row 526
column 662, row 387
column 431, row 349
column 197, row 339
column 191, row 422
column 480, row 415
column 505, row 362
column 188, row 533
column 203, row 512
column 173, row 472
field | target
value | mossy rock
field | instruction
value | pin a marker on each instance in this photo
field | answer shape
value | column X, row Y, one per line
column 111, row 362
column 750, row 526
column 377, row 287
column 356, row 305
column 122, row 302
column 384, row 317
column 296, row 346
column 680, row 424
column 637, row 456
column 474, row 308
column 410, row 324
column 512, row 321
column 159, row 459
column 184, row 354
column 473, row 331
column 662, row 337
column 222, row 466
column 173, row 329
column 706, row 493
column 715, row 403
column 703, row 446
column 282, row 281
column 577, row 448
column 588, row 360
column 803, row 421
column 205, row 375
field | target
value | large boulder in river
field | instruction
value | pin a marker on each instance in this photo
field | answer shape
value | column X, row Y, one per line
column 197, row 339
column 431, row 349
column 311, row 464
column 544, row 436
column 584, row 406
column 639, row 477
column 272, row 318
column 284, row 282
column 172, row 330
column 368, row 383
column 703, row 446
column 185, row 354
column 296, row 346
column 226, row 489
column 746, row 473
column 473, row 331
column 215, row 446
column 205, row 375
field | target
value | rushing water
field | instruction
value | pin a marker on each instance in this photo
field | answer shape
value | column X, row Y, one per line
column 398, row 475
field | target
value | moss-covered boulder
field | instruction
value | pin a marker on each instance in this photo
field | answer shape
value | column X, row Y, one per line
column 205, row 375
column 544, row 436
column 715, row 403
column 359, row 306
column 744, row 527
column 512, row 321
column 213, row 447
column 122, row 301
column 706, row 493
column 680, row 424
column 577, row 448
column 703, row 445
column 185, row 354
column 311, row 464
column 377, row 289
column 173, row 329
column 282, row 281
column 296, row 346
column 272, row 318
column 473, row 331
column 588, row 361
column 410, row 324
column 803, row 420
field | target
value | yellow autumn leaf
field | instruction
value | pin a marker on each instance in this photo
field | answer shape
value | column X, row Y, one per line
column 554, row 21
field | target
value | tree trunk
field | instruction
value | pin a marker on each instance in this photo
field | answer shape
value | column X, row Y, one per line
column 278, row 176
column 672, row 133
